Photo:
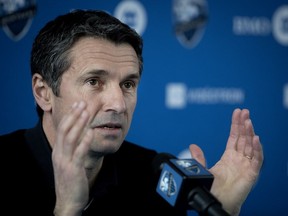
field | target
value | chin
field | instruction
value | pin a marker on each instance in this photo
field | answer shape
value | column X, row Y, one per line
column 106, row 147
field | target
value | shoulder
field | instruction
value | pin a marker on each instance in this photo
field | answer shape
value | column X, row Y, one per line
column 14, row 146
column 15, row 152
column 15, row 137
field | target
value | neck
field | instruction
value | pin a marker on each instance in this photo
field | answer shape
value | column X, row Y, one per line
column 93, row 164
column 49, row 130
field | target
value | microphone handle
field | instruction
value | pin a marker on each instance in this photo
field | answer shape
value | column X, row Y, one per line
column 205, row 203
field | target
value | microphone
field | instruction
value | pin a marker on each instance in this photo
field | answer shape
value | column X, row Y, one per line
column 185, row 183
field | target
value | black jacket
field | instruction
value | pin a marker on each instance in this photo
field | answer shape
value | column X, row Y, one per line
column 126, row 184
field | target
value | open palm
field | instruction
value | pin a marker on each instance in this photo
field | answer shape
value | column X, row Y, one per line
column 238, row 169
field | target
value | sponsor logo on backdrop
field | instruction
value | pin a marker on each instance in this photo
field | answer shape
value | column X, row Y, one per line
column 264, row 26
column 179, row 95
column 285, row 96
column 133, row 13
column 16, row 17
column 280, row 25
column 176, row 95
column 189, row 21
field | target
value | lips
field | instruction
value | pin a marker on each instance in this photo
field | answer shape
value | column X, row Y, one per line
column 110, row 126
column 108, row 131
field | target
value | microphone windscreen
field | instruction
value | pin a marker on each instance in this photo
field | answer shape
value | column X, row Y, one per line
column 159, row 161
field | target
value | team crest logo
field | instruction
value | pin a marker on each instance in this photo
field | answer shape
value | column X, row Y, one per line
column 189, row 21
column 16, row 17
column 133, row 14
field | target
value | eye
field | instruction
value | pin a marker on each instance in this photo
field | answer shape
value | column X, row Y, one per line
column 94, row 82
column 129, row 85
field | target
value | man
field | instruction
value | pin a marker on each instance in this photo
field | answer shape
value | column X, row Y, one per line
column 86, row 67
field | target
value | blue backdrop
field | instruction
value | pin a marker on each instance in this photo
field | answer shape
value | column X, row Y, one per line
column 202, row 59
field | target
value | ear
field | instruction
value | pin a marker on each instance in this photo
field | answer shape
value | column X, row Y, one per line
column 42, row 92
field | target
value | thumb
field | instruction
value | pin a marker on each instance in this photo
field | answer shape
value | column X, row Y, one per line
column 197, row 154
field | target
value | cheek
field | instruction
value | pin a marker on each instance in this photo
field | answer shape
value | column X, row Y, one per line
column 93, row 107
column 63, row 104
column 72, row 90
column 59, row 109
column 74, row 94
column 131, row 105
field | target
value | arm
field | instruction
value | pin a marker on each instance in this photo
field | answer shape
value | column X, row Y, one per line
column 239, row 167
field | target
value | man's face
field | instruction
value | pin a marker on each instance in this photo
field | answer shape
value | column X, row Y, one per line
column 106, row 77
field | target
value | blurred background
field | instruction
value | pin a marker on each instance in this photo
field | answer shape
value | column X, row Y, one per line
column 202, row 59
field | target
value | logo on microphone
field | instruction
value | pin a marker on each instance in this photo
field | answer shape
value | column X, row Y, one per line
column 178, row 177
column 167, row 184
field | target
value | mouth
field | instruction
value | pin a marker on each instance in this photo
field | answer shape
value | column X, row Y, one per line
column 109, row 130
column 109, row 126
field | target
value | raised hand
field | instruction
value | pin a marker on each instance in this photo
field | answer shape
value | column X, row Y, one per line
column 69, row 151
column 238, row 169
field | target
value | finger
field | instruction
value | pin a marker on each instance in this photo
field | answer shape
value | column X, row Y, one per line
column 62, row 129
column 234, row 130
column 197, row 154
column 248, row 150
column 75, row 135
column 83, row 147
column 258, row 155
column 242, row 140
column 62, row 146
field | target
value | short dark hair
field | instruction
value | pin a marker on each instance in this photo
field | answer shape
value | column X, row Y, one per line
column 51, row 47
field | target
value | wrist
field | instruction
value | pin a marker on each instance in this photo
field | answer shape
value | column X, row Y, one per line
column 67, row 211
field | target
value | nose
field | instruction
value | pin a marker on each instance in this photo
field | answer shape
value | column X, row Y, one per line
column 114, row 100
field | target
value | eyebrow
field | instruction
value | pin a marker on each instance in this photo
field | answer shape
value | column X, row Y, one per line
column 104, row 73
column 98, row 72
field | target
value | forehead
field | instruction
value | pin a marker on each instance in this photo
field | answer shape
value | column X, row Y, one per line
column 94, row 51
